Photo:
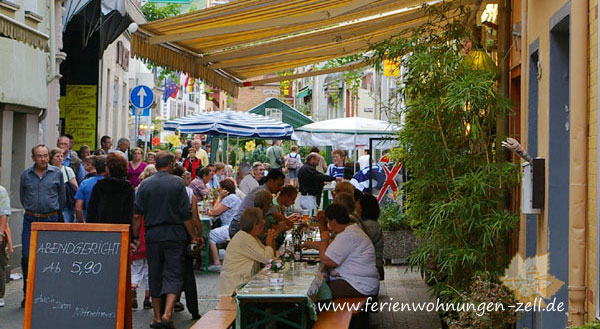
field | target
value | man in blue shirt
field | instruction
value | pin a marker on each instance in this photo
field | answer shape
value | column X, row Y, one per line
column 42, row 194
column 71, row 158
column 82, row 198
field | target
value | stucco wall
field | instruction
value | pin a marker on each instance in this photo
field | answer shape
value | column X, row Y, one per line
column 113, row 115
column 592, row 236
column 23, row 74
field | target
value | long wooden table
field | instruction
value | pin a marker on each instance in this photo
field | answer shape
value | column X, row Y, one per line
column 259, row 304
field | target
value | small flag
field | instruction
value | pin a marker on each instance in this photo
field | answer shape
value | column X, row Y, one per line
column 192, row 84
column 187, row 79
column 171, row 89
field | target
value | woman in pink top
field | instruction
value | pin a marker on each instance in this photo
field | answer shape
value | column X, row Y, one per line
column 135, row 167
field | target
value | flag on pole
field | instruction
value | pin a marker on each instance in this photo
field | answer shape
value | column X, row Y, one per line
column 192, row 85
column 171, row 89
column 187, row 79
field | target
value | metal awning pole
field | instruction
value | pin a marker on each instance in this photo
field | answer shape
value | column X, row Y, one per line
column 370, row 164
column 355, row 155
column 227, row 151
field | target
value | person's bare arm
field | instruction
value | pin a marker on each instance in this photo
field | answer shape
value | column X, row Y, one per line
column 3, row 223
column 191, row 229
column 135, row 228
column 79, row 210
column 197, row 222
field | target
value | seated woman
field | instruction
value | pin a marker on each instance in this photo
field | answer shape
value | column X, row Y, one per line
column 225, row 207
column 350, row 257
column 245, row 252
column 368, row 208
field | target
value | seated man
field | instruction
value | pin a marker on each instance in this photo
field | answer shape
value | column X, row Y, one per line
column 245, row 252
column 350, row 257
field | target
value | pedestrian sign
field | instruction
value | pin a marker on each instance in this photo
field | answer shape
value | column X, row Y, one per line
column 141, row 97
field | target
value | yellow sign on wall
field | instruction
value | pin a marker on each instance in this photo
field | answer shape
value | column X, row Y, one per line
column 391, row 68
column 80, row 114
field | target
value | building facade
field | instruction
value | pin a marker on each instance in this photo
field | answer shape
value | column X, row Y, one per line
column 554, row 81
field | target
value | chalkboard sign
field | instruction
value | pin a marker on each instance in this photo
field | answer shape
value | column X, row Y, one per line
column 77, row 276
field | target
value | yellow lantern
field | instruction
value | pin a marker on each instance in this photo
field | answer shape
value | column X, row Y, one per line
column 478, row 59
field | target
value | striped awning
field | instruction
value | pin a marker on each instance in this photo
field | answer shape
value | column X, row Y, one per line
column 234, row 43
column 22, row 32
column 232, row 123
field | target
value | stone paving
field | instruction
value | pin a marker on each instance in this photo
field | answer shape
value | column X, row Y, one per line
column 400, row 286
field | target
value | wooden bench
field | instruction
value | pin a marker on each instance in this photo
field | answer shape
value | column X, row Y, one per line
column 333, row 320
column 352, row 302
column 227, row 304
column 216, row 319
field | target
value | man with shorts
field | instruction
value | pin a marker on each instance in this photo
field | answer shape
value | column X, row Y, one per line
column 163, row 201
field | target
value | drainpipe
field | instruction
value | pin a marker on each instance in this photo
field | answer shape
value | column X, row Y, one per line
column 524, row 109
column 52, row 40
column 578, row 164
column 597, row 258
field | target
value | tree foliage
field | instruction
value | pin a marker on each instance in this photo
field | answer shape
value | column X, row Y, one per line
column 448, row 145
column 154, row 12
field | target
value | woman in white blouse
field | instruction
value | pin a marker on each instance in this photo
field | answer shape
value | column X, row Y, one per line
column 245, row 251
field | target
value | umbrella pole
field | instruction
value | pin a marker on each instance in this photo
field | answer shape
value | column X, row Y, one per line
column 356, row 155
column 227, row 151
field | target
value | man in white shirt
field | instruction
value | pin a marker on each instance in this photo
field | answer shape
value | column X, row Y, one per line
column 248, row 183
column 363, row 160
column 350, row 257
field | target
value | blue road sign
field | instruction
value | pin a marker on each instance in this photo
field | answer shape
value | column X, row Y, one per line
column 141, row 97
column 141, row 112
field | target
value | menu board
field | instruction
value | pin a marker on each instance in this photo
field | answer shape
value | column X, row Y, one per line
column 77, row 276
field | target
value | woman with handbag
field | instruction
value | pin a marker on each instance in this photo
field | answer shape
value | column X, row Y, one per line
column 57, row 155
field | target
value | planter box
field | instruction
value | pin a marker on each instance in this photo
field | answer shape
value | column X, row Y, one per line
column 398, row 245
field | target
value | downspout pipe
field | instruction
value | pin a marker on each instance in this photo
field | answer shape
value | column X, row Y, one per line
column 578, row 95
column 524, row 108
column 52, row 41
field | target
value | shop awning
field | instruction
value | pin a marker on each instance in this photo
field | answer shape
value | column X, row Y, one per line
column 231, row 44
column 21, row 32
column 305, row 92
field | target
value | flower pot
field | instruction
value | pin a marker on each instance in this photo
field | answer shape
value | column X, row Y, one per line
column 276, row 281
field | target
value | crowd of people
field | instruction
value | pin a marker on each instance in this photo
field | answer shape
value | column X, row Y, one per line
column 158, row 195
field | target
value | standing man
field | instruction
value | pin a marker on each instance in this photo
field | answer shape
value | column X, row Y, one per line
column 275, row 156
column 311, row 183
column 5, row 241
column 337, row 168
column 71, row 141
column 71, row 158
column 84, row 193
column 163, row 201
column 201, row 153
column 42, row 194
column 123, row 146
column 106, row 143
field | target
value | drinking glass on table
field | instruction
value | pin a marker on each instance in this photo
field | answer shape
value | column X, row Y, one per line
column 305, row 215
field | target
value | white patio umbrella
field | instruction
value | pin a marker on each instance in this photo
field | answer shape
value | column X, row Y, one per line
column 346, row 133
